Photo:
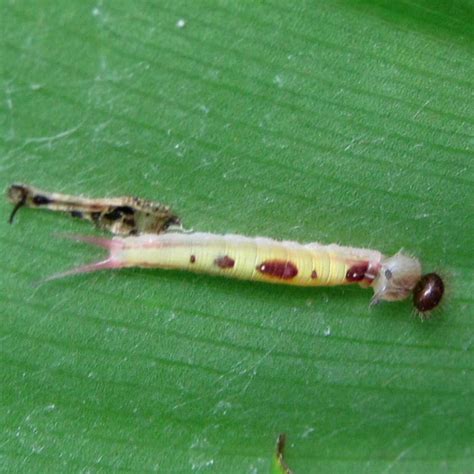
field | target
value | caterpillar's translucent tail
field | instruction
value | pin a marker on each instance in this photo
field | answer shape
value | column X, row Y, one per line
column 109, row 263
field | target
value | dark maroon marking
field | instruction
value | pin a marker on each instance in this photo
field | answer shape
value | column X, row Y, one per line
column 224, row 262
column 428, row 292
column 278, row 269
column 314, row 275
column 95, row 216
column 357, row 272
column 41, row 200
column 192, row 258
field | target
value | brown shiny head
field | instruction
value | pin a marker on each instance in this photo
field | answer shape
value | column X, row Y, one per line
column 428, row 292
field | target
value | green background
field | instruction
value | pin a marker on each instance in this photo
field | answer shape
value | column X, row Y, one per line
column 345, row 121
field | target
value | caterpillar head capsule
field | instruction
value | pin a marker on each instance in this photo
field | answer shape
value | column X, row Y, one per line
column 397, row 278
column 428, row 292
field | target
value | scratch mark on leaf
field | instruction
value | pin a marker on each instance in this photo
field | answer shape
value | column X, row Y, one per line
column 418, row 112
column 398, row 458
column 52, row 138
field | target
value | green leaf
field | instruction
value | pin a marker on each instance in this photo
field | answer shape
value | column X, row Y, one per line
column 348, row 122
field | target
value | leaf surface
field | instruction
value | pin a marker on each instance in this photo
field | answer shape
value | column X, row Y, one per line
column 347, row 122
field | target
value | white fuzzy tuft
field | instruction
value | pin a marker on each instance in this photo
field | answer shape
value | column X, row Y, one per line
column 397, row 278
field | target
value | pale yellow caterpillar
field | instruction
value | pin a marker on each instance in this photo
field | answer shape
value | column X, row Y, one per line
column 272, row 261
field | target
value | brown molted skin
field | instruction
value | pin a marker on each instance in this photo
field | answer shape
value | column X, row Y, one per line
column 278, row 269
column 428, row 292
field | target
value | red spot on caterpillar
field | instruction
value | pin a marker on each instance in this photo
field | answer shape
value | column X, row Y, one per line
column 192, row 258
column 278, row 269
column 224, row 262
column 357, row 272
column 314, row 275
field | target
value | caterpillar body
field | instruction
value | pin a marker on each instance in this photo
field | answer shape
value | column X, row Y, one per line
column 266, row 260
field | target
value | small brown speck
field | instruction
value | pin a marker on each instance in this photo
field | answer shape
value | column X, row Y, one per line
column 224, row 262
